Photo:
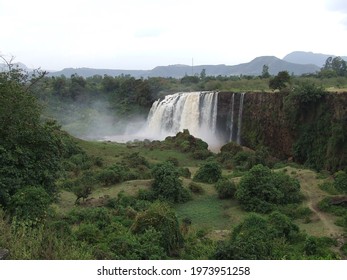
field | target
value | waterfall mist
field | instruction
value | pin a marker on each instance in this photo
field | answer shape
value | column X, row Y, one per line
column 195, row 111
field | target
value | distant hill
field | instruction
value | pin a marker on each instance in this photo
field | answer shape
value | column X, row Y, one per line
column 253, row 67
column 300, row 57
column 275, row 64
column 88, row 72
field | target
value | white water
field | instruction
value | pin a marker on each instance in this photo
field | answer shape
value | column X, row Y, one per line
column 195, row 111
column 238, row 137
column 232, row 117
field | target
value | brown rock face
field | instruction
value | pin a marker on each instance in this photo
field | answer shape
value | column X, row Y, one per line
column 264, row 121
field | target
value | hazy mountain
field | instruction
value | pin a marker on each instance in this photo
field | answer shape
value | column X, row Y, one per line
column 88, row 72
column 275, row 64
column 300, row 57
column 253, row 67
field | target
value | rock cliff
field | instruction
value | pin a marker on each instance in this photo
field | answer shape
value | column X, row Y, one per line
column 322, row 126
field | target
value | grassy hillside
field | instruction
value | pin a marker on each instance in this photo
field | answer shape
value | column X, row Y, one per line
column 216, row 217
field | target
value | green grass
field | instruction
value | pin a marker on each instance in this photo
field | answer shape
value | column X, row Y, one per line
column 209, row 212
column 205, row 211
column 112, row 152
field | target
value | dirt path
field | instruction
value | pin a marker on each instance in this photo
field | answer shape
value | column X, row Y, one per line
column 310, row 188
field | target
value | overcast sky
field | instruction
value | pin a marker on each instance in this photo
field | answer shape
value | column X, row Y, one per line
column 142, row 34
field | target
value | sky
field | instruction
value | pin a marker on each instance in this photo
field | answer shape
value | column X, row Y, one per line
column 143, row 34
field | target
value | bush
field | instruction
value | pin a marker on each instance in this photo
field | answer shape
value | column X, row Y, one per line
column 260, row 190
column 167, row 185
column 88, row 233
column 113, row 175
column 161, row 218
column 244, row 160
column 174, row 161
column 210, row 172
column 30, row 204
column 135, row 160
column 340, row 182
column 225, row 188
column 201, row 154
column 185, row 172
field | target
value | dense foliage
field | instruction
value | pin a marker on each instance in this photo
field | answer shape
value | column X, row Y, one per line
column 225, row 188
column 30, row 151
column 128, row 196
column 210, row 172
column 261, row 189
column 167, row 185
column 275, row 237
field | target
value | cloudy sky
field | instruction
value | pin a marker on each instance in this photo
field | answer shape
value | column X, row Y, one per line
column 142, row 34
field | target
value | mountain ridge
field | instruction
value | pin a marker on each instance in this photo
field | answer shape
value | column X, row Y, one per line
column 297, row 63
column 254, row 67
column 301, row 57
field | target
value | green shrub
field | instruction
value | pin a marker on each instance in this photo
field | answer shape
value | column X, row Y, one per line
column 174, row 161
column 340, row 182
column 185, row 172
column 201, row 154
column 163, row 219
column 210, row 172
column 30, row 204
column 135, row 160
column 231, row 148
column 244, row 160
column 88, row 233
column 260, row 190
column 225, row 188
column 167, row 185
column 114, row 174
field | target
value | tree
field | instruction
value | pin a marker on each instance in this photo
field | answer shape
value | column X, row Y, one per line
column 210, row 172
column 265, row 72
column 167, row 185
column 260, row 189
column 334, row 67
column 29, row 204
column 259, row 238
column 162, row 218
column 30, row 151
column 203, row 74
column 225, row 188
column 280, row 81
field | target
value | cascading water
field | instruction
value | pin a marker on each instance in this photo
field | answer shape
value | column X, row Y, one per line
column 195, row 111
column 235, row 124
column 232, row 117
column 238, row 137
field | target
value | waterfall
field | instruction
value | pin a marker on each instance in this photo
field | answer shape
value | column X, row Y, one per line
column 232, row 117
column 195, row 111
column 238, row 137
